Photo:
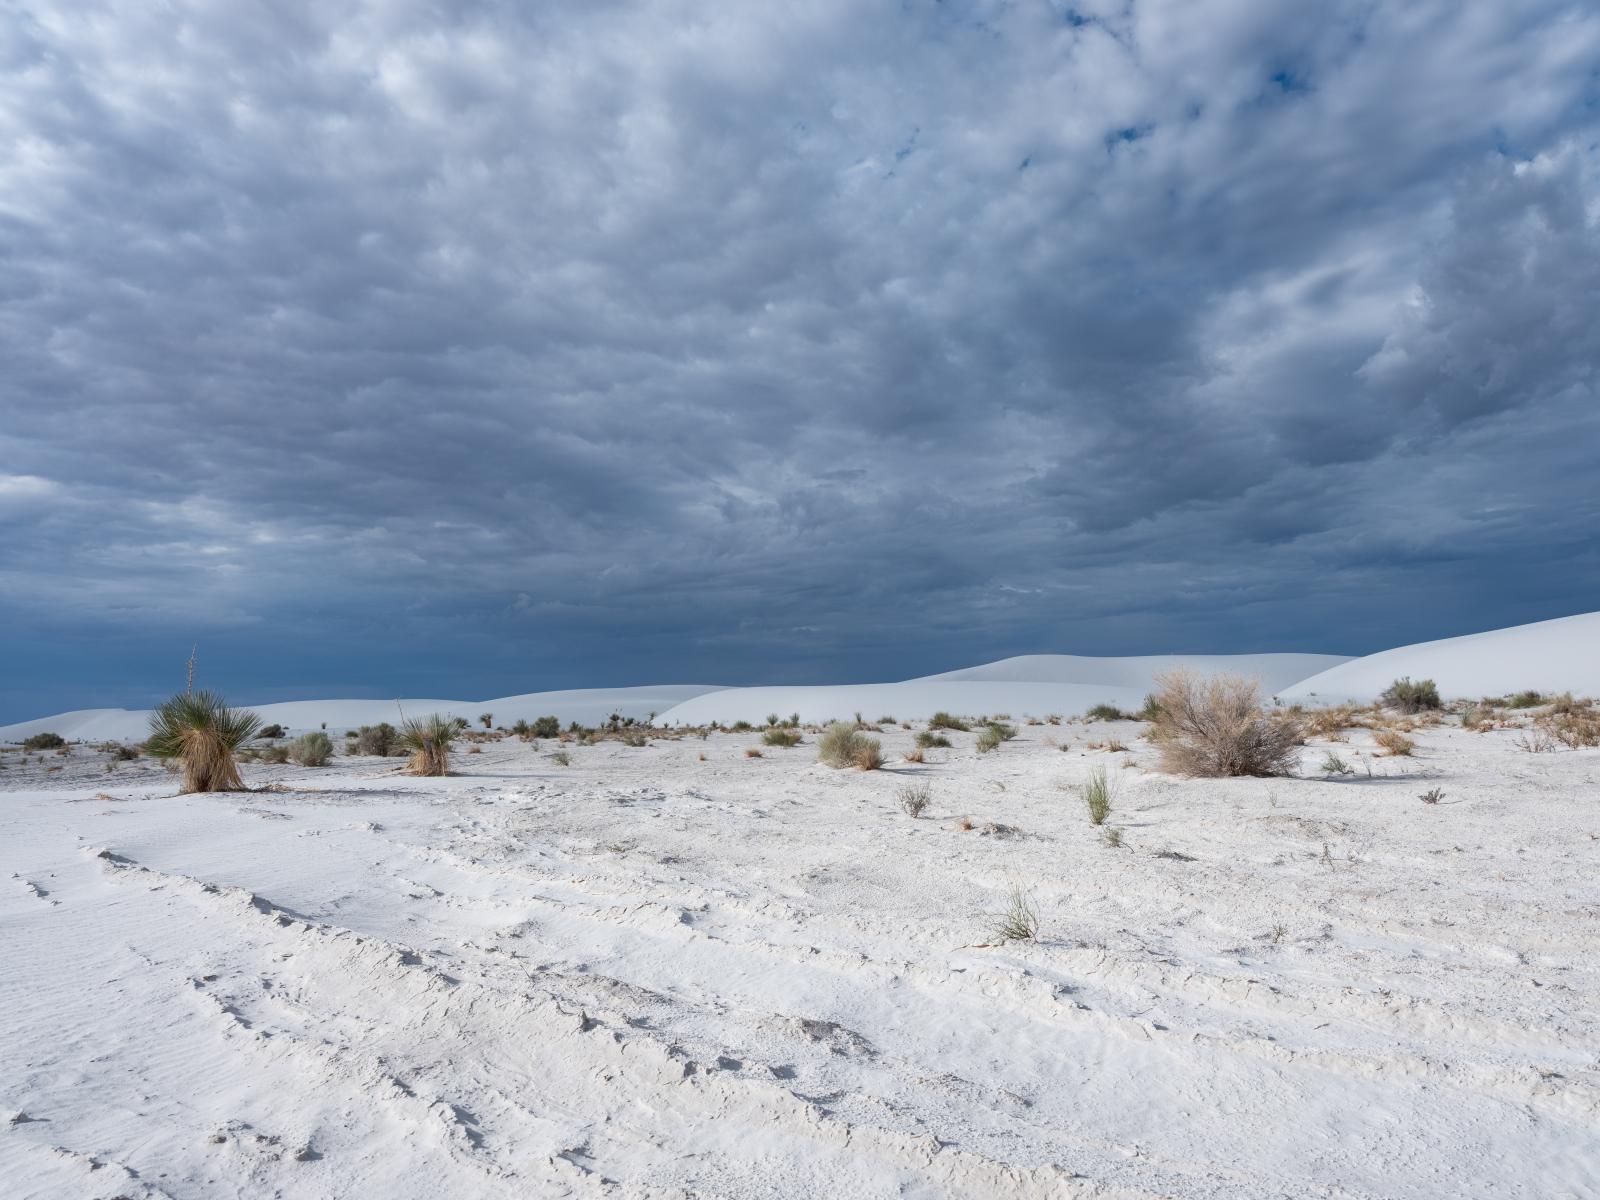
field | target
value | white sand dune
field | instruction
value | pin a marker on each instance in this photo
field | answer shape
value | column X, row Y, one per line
column 675, row 971
column 1033, row 684
column 1138, row 672
column 588, row 706
column 1562, row 655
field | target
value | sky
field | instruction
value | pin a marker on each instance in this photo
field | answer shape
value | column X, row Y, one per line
column 469, row 349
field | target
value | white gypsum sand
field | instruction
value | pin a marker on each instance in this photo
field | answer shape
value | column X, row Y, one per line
column 651, row 975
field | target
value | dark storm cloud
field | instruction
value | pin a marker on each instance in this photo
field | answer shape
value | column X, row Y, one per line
column 613, row 342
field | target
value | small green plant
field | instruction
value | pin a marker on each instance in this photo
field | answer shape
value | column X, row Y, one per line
column 1104, row 712
column 277, row 754
column 1432, row 796
column 943, row 720
column 930, row 741
column 1020, row 922
column 44, row 741
column 780, row 737
column 561, row 758
column 1113, row 838
column 989, row 739
column 1411, row 697
column 1097, row 795
column 914, row 798
column 635, row 739
column 312, row 749
column 1334, row 765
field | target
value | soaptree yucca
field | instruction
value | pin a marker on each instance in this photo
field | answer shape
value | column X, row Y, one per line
column 428, row 739
column 203, row 733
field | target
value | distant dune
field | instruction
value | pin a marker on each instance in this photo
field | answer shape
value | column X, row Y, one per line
column 1033, row 684
column 1552, row 656
column 1562, row 655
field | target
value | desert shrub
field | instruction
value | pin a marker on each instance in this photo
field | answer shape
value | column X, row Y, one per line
column 843, row 745
column 1432, row 796
column 1097, row 793
column 1527, row 699
column 277, row 755
column 914, row 798
column 1574, row 728
column 562, row 759
column 772, row 720
column 200, row 731
column 522, row 729
column 1104, row 712
column 123, row 753
column 943, row 720
column 547, row 727
column 380, row 739
column 1536, row 740
column 931, row 741
column 1396, row 744
column 780, row 737
column 914, row 755
column 752, row 752
column 1332, row 764
column 1020, row 921
column 742, row 727
column 1006, row 732
column 312, row 750
column 44, row 741
column 1409, row 696
column 1565, row 704
column 428, row 739
column 1215, row 727
column 1472, row 716
column 989, row 738
column 635, row 739
column 271, row 731
column 1149, row 710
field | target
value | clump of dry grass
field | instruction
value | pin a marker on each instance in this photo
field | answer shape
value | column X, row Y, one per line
column 843, row 745
column 1574, row 727
column 199, row 730
column 1394, row 743
column 1020, row 921
column 943, row 720
column 752, row 752
column 1215, row 727
column 428, row 739
column 780, row 737
column 914, row 755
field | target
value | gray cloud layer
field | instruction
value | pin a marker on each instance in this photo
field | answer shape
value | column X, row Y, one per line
column 425, row 346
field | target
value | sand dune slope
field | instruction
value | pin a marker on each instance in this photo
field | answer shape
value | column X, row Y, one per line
column 1548, row 656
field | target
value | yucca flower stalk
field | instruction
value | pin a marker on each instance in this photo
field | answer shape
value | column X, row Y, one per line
column 428, row 739
column 201, row 731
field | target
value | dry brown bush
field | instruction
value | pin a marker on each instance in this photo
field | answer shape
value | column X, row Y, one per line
column 1214, row 727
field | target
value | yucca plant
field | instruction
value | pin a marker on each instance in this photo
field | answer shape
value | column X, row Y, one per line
column 203, row 733
column 428, row 739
